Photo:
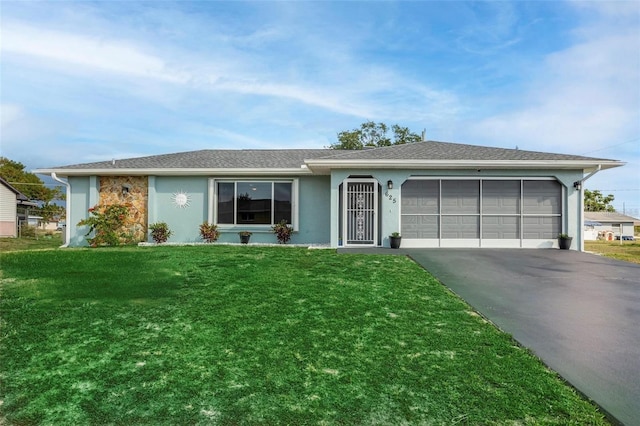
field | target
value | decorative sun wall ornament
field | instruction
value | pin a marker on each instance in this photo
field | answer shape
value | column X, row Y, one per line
column 181, row 199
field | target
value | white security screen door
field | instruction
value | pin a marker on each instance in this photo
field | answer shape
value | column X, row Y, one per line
column 360, row 213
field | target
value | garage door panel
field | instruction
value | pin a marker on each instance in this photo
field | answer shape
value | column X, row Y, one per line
column 460, row 227
column 460, row 196
column 501, row 227
column 420, row 197
column 420, row 227
column 541, row 197
column 541, row 227
column 501, row 197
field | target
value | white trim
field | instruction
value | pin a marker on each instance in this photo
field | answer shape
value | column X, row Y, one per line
column 178, row 172
column 495, row 243
column 440, row 177
column 540, row 243
column 587, row 165
column 423, row 243
column 563, row 209
column 521, row 212
column 212, row 206
column 295, row 208
column 322, row 166
column 460, row 242
column 67, row 230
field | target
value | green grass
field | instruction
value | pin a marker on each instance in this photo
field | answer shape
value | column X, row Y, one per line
column 250, row 335
column 27, row 243
column 628, row 251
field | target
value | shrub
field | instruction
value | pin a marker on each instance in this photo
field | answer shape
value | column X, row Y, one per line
column 27, row 231
column 283, row 231
column 111, row 225
column 160, row 232
column 209, row 232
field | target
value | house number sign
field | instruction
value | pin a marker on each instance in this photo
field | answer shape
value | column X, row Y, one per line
column 390, row 197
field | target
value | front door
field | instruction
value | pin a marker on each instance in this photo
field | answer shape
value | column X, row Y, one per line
column 360, row 212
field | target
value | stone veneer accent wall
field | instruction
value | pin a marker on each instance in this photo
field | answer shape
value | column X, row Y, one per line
column 110, row 192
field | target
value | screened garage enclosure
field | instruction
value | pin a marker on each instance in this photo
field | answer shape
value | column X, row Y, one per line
column 480, row 212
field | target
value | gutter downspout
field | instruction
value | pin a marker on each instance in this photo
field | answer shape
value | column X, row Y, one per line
column 578, row 185
column 67, row 229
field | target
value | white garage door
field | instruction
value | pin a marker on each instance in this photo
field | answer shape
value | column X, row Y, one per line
column 480, row 212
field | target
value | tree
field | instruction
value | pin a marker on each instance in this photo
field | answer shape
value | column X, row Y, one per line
column 374, row 134
column 50, row 211
column 27, row 183
column 33, row 188
column 594, row 201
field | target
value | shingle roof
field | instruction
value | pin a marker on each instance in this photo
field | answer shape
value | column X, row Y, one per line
column 257, row 159
column 432, row 150
column 608, row 217
column 213, row 159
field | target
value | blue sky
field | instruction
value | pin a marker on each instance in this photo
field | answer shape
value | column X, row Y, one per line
column 92, row 81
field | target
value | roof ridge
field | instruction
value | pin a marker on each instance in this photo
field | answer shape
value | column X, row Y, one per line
column 372, row 151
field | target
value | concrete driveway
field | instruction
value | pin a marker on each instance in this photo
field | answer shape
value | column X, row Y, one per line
column 580, row 313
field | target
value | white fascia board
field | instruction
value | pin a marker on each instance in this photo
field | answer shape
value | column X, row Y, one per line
column 176, row 172
column 462, row 164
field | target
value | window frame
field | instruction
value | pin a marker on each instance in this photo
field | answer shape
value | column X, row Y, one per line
column 212, row 215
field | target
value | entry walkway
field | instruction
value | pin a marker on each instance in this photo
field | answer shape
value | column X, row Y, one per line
column 578, row 312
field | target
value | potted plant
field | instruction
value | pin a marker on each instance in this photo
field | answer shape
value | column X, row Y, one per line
column 564, row 241
column 160, row 232
column 283, row 231
column 395, row 239
column 244, row 237
column 209, row 232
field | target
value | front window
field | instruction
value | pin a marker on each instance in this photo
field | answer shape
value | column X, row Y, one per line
column 254, row 202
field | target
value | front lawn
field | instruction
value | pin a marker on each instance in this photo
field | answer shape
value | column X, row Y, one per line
column 256, row 335
column 628, row 250
column 43, row 241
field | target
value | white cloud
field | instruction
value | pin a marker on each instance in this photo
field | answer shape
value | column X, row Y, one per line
column 493, row 26
column 581, row 98
column 20, row 129
column 94, row 53
column 340, row 84
column 9, row 113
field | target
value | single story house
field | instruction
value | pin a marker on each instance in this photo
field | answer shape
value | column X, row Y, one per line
column 607, row 225
column 436, row 194
column 37, row 222
column 10, row 200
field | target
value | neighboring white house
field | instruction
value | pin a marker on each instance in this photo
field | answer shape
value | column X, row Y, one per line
column 607, row 225
column 10, row 199
column 36, row 221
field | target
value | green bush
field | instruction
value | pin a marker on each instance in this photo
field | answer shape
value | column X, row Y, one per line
column 27, row 231
column 111, row 225
column 209, row 232
column 160, row 232
column 283, row 231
